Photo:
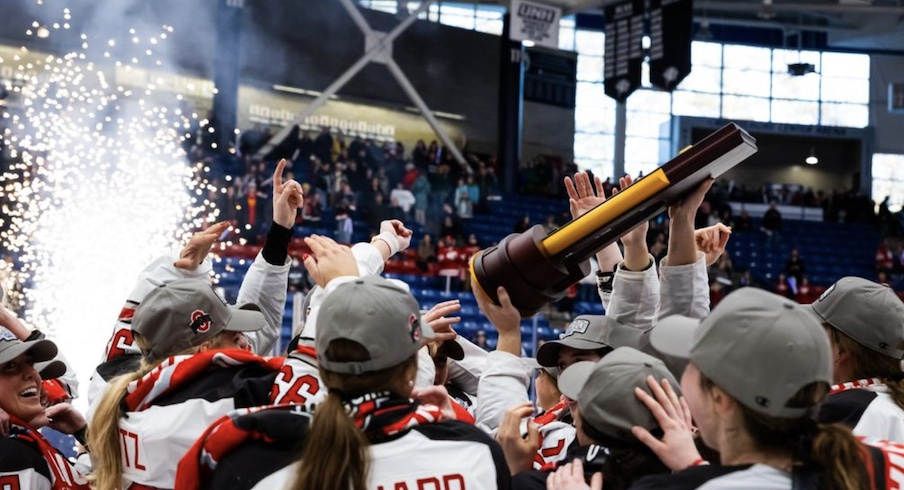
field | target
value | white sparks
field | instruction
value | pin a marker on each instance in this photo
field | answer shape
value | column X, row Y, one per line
column 97, row 185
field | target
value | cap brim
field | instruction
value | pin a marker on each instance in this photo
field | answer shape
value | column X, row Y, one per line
column 548, row 353
column 246, row 318
column 51, row 369
column 40, row 351
column 674, row 336
column 572, row 380
column 452, row 350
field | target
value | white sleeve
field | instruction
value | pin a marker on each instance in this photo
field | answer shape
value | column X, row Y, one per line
column 370, row 260
column 426, row 371
column 685, row 288
column 466, row 373
column 502, row 385
column 265, row 285
column 635, row 297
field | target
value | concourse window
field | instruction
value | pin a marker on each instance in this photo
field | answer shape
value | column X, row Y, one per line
column 888, row 179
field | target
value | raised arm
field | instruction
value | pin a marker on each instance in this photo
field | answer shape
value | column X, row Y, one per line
column 266, row 281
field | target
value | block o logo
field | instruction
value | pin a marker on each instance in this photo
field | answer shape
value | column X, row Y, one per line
column 200, row 321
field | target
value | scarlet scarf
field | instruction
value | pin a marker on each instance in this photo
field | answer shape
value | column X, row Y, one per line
column 381, row 415
column 65, row 477
column 226, row 435
column 175, row 371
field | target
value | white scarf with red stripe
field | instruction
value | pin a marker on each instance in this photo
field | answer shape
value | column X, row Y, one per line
column 860, row 383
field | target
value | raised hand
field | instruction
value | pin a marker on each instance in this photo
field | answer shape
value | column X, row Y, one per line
column 199, row 246
column 687, row 208
column 440, row 322
column 328, row 260
column 396, row 229
column 637, row 237
column 519, row 450
column 581, row 195
column 65, row 418
column 676, row 449
column 712, row 241
column 287, row 198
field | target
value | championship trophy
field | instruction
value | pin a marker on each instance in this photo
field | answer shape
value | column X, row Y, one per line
column 537, row 268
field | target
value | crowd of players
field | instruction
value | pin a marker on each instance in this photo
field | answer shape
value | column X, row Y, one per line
column 373, row 392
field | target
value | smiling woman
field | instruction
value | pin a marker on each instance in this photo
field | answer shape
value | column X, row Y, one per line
column 27, row 460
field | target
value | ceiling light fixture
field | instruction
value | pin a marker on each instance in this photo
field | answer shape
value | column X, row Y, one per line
column 767, row 12
column 811, row 159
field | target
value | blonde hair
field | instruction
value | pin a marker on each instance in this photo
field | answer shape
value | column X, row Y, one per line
column 103, row 431
column 336, row 452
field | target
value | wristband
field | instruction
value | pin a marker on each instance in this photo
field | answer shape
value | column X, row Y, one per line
column 700, row 462
column 81, row 436
column 391, row 241
column 604, row 280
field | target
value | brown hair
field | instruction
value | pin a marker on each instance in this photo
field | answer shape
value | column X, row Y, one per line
column 867, row 363
column 336, row 452
column 831, row 448
column 103, row 432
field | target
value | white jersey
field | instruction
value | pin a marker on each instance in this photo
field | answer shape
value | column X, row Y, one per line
column 867, row 408
column 450, row 455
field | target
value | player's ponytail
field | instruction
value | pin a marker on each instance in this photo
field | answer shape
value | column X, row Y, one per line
column 336, row 452
column 867, row 363
column 841, row 458
column 103, row 432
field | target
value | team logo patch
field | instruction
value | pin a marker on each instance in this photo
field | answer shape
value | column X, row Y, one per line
column 200, row 322
column 577, row 326
column 6, row 334
column 827, row 292
column 414, row 328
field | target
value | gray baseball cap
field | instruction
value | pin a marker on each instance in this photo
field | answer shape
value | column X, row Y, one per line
column 759, row 347
column 865, row 311
column 185, row 313
column 11, row 347
column 605, row 394
column 585, row 332
column 374, row 312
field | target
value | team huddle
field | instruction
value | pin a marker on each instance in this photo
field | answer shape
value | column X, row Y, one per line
column 376, row 393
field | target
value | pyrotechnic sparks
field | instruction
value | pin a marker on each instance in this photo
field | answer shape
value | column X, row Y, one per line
column 97, row 185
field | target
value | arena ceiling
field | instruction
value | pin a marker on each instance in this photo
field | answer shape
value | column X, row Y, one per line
column 852, row 24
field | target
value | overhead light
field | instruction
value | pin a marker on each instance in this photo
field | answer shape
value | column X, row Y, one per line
column 527, row 43
column 767, row 12
column 43, row 32
column 811, row 159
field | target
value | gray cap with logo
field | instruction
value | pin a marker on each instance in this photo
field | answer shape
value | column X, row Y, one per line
column 374, row 312
column 868, row 312
column 605, row 394
column 586, row 332
column 759, row 347
column 11, row 347
column 185, row 313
